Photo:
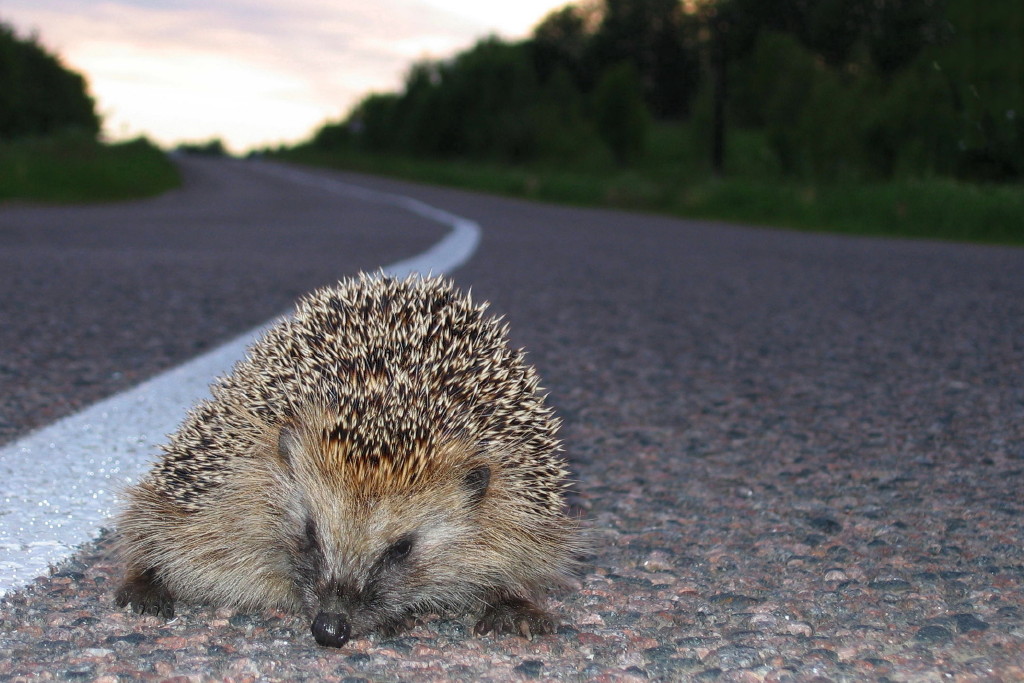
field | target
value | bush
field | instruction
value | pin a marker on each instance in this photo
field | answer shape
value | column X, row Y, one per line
column 619, row 111
column 210, row 148
column 73, row 167
column 831, row 125
column 779, row 81
column 911, row 128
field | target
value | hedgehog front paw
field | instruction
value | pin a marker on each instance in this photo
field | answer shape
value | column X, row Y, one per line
column 398, row 625
column 515, row 616
column 146, row 594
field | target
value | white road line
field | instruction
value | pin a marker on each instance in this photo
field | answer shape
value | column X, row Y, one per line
column 449, row 253
column 58, row 485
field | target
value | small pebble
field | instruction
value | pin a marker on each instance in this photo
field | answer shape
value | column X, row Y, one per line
column 798, row 628
column 825, row 525
column 890, row 585
column 79, row 673
column 934, row 634
column 737, row 657
column 658, row 561
column 530, row 667
column 968, row 622
column 836, row 575
column 130, row 638
column 734, row 600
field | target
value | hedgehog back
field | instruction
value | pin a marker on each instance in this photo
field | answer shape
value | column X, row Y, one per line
column 403, row 367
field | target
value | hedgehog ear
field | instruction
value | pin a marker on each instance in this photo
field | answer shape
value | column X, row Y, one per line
column 288, row 445
column 476, row 482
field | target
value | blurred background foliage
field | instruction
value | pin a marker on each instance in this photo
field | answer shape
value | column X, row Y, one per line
column 831, row 89
column 38, row 95
column 895, row 117
column 49, row 135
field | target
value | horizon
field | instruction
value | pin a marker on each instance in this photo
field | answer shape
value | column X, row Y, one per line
column 251, row 76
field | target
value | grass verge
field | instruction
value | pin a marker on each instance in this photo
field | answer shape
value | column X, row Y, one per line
column 933, row 208
column 70, row 168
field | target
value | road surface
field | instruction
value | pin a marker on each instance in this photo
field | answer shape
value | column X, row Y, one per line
column 798, row 455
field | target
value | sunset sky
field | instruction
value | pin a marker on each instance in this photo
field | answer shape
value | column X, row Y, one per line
column 251, row 73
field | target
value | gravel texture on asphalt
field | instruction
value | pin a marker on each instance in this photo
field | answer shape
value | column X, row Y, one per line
column 799, row 458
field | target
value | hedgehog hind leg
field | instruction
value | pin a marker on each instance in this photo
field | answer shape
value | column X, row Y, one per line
column 146, row 594
column 516, row 616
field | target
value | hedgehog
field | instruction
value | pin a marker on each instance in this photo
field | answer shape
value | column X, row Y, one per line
column 380, row 455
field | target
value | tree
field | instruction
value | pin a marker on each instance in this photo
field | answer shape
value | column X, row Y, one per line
column 621, row 116
column 729, row 29
column 38, row 95
column 983, row 65
column 562, row 42
column 853, row 40
column 372, row 122
column 655, row 37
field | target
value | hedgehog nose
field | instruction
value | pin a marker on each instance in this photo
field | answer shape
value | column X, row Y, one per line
column 331, row 630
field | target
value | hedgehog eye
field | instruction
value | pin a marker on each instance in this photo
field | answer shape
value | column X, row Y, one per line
column 397, row 551
column 476, row 482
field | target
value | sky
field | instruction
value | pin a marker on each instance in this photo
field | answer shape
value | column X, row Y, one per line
column 252, row 73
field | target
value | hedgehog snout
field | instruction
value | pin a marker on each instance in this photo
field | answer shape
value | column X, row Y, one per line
column 331, row 629
column 337, row 611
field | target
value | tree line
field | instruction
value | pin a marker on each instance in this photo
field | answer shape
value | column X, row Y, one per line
column 38, row 95
column 838, row 88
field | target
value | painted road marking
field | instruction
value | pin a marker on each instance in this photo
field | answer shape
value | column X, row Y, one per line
column 58, row 485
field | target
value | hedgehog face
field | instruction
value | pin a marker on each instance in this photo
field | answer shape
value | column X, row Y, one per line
column 371, row 550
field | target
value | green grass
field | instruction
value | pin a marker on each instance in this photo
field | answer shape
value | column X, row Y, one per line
column 936, row 208
column 70, row 168
column 674, row 179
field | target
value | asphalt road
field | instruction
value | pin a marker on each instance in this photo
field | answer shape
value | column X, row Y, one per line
column 98, row 298
column 798, row 455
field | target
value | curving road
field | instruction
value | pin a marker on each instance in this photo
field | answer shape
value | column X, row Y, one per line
column 800, row 455
column 98, row 298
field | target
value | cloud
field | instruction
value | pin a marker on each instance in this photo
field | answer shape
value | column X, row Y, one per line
column 250, row 73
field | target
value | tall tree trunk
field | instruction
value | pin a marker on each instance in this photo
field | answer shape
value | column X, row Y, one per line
column 718, row 78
